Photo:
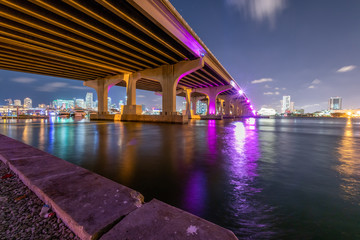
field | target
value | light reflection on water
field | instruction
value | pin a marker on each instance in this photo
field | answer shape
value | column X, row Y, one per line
column 261, row 178
column 349, row 164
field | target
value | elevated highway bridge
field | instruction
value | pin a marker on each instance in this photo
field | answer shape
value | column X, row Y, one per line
column 137, row 44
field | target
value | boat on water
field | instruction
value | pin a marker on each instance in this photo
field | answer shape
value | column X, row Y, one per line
column 79, row 113
column 64, row 114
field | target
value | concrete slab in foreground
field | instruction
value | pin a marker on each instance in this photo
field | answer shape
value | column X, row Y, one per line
column 91, row 205
column 88, row 204
column 158, row 220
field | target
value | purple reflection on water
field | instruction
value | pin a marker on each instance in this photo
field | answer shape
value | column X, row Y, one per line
column 212, row 107
column 211, row 139
column 247, row 212
column 195, row 193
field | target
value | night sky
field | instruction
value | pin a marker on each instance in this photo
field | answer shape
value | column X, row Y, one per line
column 309, row 50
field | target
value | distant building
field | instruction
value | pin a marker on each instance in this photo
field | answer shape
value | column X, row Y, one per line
column 42, row 105
column 109, row 103
column 27, row 103
column 63, row 104
column 10, row 102
column 201, row 107
column 17, row 102
column 80, row 103
column 267, row 112
column 89, row 100
column 286, row 105
column 299, row 111
column 335, row 103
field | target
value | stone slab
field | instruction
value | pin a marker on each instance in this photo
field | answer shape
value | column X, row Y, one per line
column 157, row 220
column 88, row 203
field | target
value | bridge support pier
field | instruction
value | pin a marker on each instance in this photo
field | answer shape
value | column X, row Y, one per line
column 102, row 87
column 221, row 107
column 188, row 102
column 194, row 107
column 131, row 107
column 169, row 78
column 212, row 93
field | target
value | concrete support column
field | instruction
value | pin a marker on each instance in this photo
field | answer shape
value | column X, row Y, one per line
column 227, row 102
column 171, row 75
column 168, row 90
column 188, row 102
column 131, row 107
column 131, row 89
column 102, row 87
column 194, row 101
column 221, row 107
column 227, row 107
column 237, row 108
column 212, row 93
column 168, row 76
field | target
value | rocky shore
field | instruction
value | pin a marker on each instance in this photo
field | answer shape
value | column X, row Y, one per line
column 20, row 212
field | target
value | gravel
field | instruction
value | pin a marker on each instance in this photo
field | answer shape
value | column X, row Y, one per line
column 19, row 215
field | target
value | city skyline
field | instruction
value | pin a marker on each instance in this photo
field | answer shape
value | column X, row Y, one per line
column 307, row 50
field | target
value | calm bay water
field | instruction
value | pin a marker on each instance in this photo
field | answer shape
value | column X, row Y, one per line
column 263, row 179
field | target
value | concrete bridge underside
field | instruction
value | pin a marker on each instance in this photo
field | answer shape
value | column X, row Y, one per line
column 137, row 44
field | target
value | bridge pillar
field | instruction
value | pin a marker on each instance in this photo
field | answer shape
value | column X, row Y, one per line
column 194, row 101
column 212, row 93
column 131, row 107
column 102, row 87
column 228, row 102
column 188, row 101
column 171, row 75
column 221, row 107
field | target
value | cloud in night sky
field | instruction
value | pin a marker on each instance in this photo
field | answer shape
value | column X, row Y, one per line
column 268, row 93
column 316, row 81
column 346, row 69
column 54, row 86
column 259, row 10
column 140, row 96
column 78, row 87
column 262, row 80
column 23, row 80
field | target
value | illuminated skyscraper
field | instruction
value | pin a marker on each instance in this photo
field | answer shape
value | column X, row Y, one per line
column 80, row 103
column 89, row 100
column 63, row 104
column 27, row 103
column 17, row 102
column 285, row 104
column 109, row 103
column 335, row 103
